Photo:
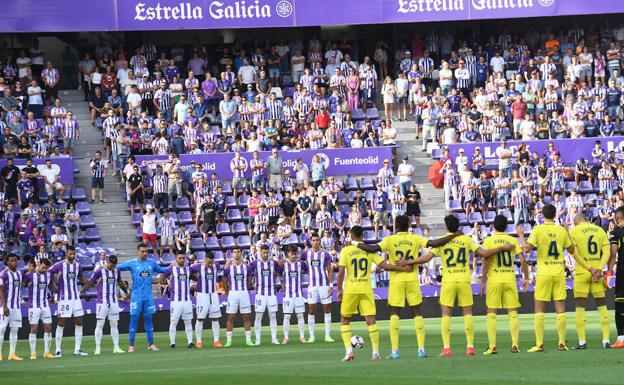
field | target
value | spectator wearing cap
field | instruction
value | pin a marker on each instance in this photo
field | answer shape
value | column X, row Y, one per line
column 148, row 225
column 405, row 172
column 407, row 62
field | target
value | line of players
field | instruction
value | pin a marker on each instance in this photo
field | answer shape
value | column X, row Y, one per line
column 587, row 243
column 63, row 278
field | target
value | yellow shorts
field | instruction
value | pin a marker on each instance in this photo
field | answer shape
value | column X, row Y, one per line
column 400, row 291
column 363, row 304
column 460, row 290
column 550, row 288
column 583, row 285
column 502, row 296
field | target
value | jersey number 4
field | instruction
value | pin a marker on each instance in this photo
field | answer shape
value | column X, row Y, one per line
column 450, row 255
column 553, row 251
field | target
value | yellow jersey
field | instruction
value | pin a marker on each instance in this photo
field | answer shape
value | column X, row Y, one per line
column 502, row 264
column 589, row 241
column 403, row 246
column 550, row 239
column 456, row 258
column 358, row 265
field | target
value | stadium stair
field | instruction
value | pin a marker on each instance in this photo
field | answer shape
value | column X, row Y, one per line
column 112, row 218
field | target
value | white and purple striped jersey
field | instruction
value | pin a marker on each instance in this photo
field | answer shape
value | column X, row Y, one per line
column 255, row 163
column 67, row 282
column 107, row 284
column 291, row 282
column 317, row 262
column 234, row 164
column 70, row 128
column 236, row 276
column 263, row 273
column 180, row 283
column 39, row 289
column 11, row 281
column 58, row 121
column 206, row 277
column 167, row 226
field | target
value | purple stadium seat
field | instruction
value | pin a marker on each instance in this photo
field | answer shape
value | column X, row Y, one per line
column 227, row 242
column 342, row 198
column 511, row 230
column 372, row 114
column 85, row 262
column 489, row 217
column 185, row 217
column 83, row 208
column 437, row 153
column 465, row 229
column 454, row 206
column 384, row 233
column 197, row 244
column 243, row 241
column 234, row 215
column 304, row 238
column 418, row 231
column 87, row 221
column 366, row 183
column 242, row 200
column 585, row 186
column 350, row 184
column 218, row 255
column 548, row 199
column 92, row 234
column 289, row 92
column 369, row 236
column 367, row 223
column 66, row 195
column 357, row 114
column 475, row 218
column 462, row 218
column 293, row 239
column 571, row 185
column 182, row 203
column 591, row 199
column 78, row 194
column 200, row 255
column 192, row 228
column 369, row 194
column 230, row 202
column 527, row 228
column 227, row 188
column 168, row 258
column 223, row 229
column 507, row 213
column 239, row 228
column 212, row 243
column 136, row 219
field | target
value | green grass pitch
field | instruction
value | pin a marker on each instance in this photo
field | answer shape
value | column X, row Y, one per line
column 319, row 363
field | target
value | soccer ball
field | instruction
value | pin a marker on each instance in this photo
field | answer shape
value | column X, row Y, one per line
column 357, row 342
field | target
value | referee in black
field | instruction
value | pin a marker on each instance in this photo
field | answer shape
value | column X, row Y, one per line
column 99, row 169
column 617, row 252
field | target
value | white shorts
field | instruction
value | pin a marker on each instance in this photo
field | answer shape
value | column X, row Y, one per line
column 39, row 313
column 13, row 320
column 208, row 306
column 318, row 294
column 262, row 301
column 238, row 299
column 105, row 310
column 296, row 304
column 181, row 309
column 70, row 308
column 50, row 188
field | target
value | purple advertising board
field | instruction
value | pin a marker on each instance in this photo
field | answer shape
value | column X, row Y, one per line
column 126, row 15
column 64, row 165
column 344, row 161
column 571, row 149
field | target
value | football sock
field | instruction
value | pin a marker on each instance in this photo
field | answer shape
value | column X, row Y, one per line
column 78, row 337
column 345, row 333
column 247, row 335
column 327, row 319
column 469, row 329
column 134, row 322
column 216, row 330
column 13, row 340
column 419, row 324
column 99, row 329
column 286, row 325
column 199, row 330
column 258, row 325
column 580, row 324
column 301, row 324
column 491, row 329
column 394, row 332
column 228, row 337
column 47, row 340
column 2, row 330
column 32, row 340
column 539, row 329
column 373, row 333
column 311, row 323
column 149, row 328
column 619, row 319
column 561, row 327
column 58, row 337
column 446, row 331
column 114, row 331
column 172, row 331
column 273, row 325
column 514, row 328
column 188, row 330
column 604, row 322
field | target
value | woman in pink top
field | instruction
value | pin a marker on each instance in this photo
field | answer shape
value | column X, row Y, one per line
column 353, row 86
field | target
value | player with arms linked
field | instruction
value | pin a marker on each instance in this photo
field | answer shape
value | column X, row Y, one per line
column 617, row 256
